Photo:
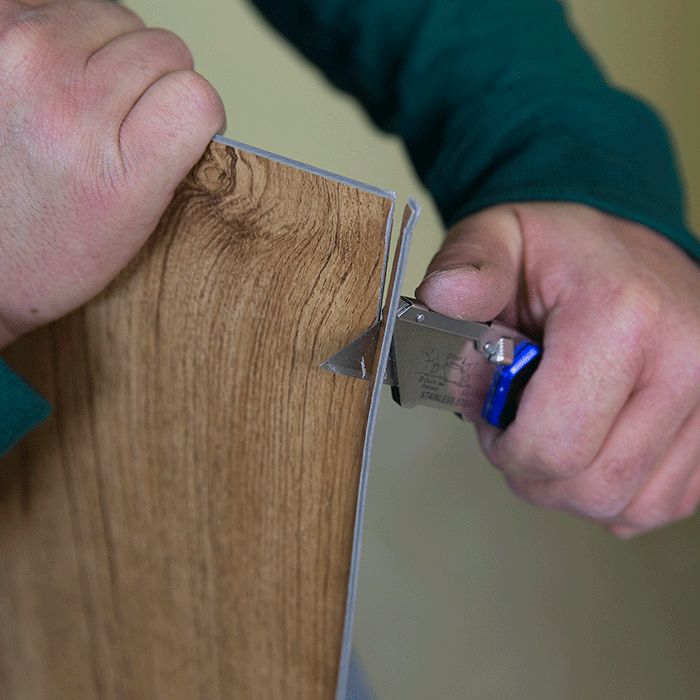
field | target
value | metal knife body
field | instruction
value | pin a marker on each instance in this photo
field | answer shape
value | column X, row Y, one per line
column 472, row 369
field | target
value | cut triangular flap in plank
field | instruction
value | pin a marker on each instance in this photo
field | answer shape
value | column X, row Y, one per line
column 183, row 524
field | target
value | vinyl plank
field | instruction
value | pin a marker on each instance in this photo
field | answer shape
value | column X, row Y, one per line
column 182, row 526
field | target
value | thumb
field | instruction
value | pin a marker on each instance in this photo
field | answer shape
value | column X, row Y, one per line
column 475, row 274
column 168, row 129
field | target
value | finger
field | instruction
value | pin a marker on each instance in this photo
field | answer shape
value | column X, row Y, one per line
column 84, row 25
column 140, row 58
column 166, row 132
column 640, row 438
column 475, row 274
column 161, row 138
column 576, row 394
column 670, row 493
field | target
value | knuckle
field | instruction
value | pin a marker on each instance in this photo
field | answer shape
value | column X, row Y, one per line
column 586, row 497
column 587, row 502
column 531, row 491
column 593, row 506
column 580, row 499
column 638, row 302
column 558, row 459
column 25, row 42
column 619, row 470
column 145, row 48
column 163, row 41
column 118, row 15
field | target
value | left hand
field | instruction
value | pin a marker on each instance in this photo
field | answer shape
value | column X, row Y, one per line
column 609, row 426
column 100, row 119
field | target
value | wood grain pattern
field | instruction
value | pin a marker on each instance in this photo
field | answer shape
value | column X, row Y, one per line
column 182, row 526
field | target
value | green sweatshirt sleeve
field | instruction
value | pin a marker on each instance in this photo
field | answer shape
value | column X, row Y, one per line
column 21, row 408
column 496, row 101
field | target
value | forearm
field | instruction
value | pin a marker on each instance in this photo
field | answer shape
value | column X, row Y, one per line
column 496, row 101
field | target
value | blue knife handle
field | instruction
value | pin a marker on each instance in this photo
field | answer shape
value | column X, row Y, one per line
column 508, row 384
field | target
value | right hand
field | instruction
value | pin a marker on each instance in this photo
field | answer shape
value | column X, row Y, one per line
column 608, row 429
column 100, row 119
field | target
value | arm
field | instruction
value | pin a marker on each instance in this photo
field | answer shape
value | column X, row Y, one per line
column 503, row 114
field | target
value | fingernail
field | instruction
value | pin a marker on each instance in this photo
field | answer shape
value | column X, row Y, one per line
column 450, row 271
column 441, row 279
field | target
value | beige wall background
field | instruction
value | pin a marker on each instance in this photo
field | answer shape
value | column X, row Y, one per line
column 465, row 592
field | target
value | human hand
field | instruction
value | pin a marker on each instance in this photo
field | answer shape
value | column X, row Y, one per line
column 100, row 119
column 608, row 428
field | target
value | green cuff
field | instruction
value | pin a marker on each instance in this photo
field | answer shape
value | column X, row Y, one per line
column 21, row 408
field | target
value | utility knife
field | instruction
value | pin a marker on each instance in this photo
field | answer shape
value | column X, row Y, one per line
column 465, row 367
